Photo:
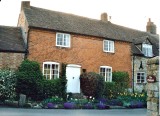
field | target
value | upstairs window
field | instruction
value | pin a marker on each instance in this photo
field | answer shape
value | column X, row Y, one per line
column 108, row 46
column 62, row 40
column 147, row 50
column 141, row 77
column 106, row 71
column 51, row 70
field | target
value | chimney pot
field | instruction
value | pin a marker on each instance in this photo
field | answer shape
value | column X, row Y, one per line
column 25, row 4
column 104, row 17
column 151, row 27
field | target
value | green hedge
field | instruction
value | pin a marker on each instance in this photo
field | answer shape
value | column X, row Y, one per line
column 51, row 88
column 121, row 79
column 31, row 82
column 119, row 84
column 109, row 90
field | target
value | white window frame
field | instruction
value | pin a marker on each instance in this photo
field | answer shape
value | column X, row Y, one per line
column 147, row 50
column 64, row 41
column 51, row 70
column 108, row 46
column 140, row 78
column 107, row 75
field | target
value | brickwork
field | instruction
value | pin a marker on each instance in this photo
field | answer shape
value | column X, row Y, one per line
column 153, row 88
column 85, row 51
column 11, row 60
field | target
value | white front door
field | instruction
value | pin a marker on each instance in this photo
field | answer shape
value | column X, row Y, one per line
column 73, row 78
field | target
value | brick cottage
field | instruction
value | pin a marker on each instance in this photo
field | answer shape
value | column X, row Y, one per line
column 52, row 38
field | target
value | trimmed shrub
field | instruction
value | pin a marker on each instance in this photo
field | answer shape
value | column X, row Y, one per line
column 51, row 88
column 110, row 90
column 92, row 84
column 121, row 80
column 7, row 84
column 29, row 80
column 120, row 84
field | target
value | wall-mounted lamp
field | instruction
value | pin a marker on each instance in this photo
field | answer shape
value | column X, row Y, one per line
column 141, row 66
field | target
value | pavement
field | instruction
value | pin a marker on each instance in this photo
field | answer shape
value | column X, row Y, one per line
column 76, row 112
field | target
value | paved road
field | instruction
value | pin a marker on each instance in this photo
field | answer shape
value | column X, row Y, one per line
column 62, row 112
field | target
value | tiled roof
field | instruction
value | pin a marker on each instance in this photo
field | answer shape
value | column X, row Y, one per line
column 47, row 19
column 11, row 39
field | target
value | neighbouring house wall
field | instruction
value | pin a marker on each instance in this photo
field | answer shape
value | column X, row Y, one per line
column 85, row 51
column 139, row 87
column 153, row 88
column 22, row 22
column 11, row 60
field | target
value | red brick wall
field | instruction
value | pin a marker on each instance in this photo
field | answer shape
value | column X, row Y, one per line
column 85, row 51
column 11, row 60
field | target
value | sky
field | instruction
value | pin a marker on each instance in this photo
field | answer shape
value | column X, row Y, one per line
column 129, row 13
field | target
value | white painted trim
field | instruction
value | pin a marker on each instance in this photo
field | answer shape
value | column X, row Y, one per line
column 67, row 46
column 112, row 46
column 49, row 62
column 105, row 67
column 73, row 65
column 144, row 77
column 109, row 67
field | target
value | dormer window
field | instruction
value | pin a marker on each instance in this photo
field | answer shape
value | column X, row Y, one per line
column 147, row 50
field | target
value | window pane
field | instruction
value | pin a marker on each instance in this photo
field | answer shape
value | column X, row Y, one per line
column 63, row 39
column 147, row 50
column 51, row 71
column 140, row 77
column 108, row 46
column 107, row 73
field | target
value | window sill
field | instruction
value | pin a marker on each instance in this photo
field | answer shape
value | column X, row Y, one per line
column 141, row 83
column 62, row 47
column 109, row 52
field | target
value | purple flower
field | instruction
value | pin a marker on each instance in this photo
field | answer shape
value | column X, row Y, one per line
column 88, row 106
column 50, row 105
column 103, row 100
column 69, row 105
column 101, row 105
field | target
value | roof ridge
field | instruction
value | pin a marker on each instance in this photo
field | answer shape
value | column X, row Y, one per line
column 4, row 26
column 87, row 18
column 66, row 13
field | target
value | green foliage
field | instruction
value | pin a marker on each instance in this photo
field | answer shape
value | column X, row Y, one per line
column 133, row 99
column 119, row 84
column 54, row 99
column 63, row 81
column 126, row 96
column 51, row 88
column 110, row 90
column 100, row 86
column 7, row 84
column 31, row 69
column 121, row 79
column 29, row 80
column 92, row 84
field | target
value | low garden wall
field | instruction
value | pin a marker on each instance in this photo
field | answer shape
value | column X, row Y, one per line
column 153, row 87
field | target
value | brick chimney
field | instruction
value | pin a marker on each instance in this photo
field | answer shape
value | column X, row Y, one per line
column 25, row 4
column 104, row 17
column 151, row 27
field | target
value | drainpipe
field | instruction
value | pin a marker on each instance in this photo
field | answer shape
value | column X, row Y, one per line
column 133, row 74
